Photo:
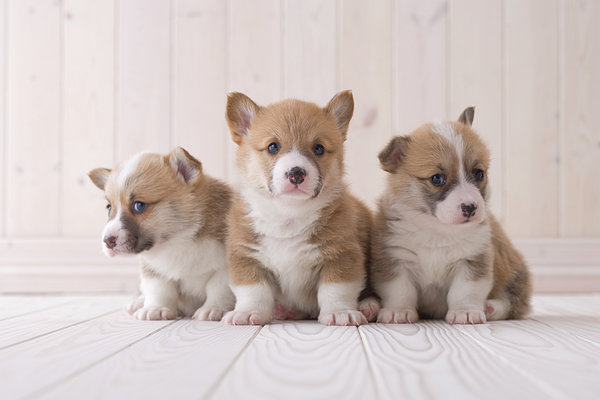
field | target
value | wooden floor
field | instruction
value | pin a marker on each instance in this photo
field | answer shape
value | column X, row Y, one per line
column 89, row 348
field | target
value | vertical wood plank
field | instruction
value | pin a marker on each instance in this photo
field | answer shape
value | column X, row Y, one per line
column 365, row 61
column 33, row 164
column 199, row 82
column 254, row 57
column 3, row 95
column 88, row 111
column 475, row 65
column 581, row 120
column 143, row 77
column 309, row 50
column 531, row 127
column 419, row 63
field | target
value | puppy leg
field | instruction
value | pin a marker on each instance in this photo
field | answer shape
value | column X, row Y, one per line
column 467, row 294
column 160, row 298
column 219, row 298
column 135, row 304
column 338, row 303
column 400, row 298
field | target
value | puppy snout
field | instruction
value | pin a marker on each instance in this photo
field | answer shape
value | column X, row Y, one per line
column 296, row 175
column 468, row 210
column 110, row 241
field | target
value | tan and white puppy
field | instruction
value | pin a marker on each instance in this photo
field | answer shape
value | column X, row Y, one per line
column 297, row 239
column 171, row 214
column 437, row 250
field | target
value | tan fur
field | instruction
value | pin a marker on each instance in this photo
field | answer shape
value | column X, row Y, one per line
column 342, row 230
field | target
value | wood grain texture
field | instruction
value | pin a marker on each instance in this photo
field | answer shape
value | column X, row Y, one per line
column 32, row 367
column 182, row 361
column 431, row 359
column 88, row 112
column 365, row 42
column 309, row 50
column 199, row 82
column 55, row 317
column 143, row 77
column 33, row 164
column 475, row 78
column 543, row 354
column 16, row 305
column 300, row 360
column 420, row 63
column 254, row 56
column 531, row 118
column 580, row 118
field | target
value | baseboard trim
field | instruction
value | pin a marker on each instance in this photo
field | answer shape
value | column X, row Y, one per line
column 74, row 265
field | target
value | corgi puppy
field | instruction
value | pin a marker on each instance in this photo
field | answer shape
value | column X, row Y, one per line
column 171, row 214
column 437, row 250
column 297, row 243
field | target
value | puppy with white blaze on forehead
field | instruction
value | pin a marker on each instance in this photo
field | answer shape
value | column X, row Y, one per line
column 437, row 250
column 171, row 214
column 297, row 242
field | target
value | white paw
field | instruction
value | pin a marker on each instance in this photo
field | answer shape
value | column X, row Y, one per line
column 369, row 307
column 465, row 317
column 247, row 317
column 135, row 304
column 343, row 318
column 496, row 309
column 398, row 316
column 155, row 313
column 209, row 314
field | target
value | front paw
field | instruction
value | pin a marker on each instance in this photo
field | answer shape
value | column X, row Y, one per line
column 369, row 307
column 342, row 318
column 247, row 317
column 398, row 316
column 465, row 317
column 155, row 313
column 135, row 304
column 209, row 314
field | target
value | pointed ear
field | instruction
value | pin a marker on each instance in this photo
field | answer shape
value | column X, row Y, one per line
column 240, row 112
column 184, row 165
column 341, row 107
column 467, row 116
column 392, row 156
column 99, row 176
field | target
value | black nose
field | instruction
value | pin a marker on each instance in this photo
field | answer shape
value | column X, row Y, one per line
column 468, row 210
column 110, row 241
column 296, row 175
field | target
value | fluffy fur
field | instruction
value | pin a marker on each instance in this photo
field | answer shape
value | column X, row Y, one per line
column 437, row 250
column 297, row 240
column 171, row 214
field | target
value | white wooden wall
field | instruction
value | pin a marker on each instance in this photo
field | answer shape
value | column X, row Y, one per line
column 87, row 83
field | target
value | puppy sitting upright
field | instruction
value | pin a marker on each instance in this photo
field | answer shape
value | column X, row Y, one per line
column 437, row 249
column 165, row 209
column 296, row 236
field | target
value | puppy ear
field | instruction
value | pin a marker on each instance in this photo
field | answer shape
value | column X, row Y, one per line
column 184, row 165
column 99, row 176
column 240, row 112
column 392, row 156
column 341, row 107
column 467, row 116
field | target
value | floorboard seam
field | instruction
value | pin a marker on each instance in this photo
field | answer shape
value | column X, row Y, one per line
column 372, row 368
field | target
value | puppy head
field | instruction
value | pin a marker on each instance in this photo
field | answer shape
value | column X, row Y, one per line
column 149, row 200
column 441, row 169
column 291, row 149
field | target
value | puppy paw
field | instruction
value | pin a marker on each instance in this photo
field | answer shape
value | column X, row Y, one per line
column 209, row 314
column 343, row 318
column 465, row 317
column 155, row 313
column 135, row 304
column 496, row 309
column 369, row 307
column 247, row 318
column 397, row 316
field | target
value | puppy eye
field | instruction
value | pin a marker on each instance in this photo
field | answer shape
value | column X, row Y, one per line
column 478, row 174
column 138, row 207
column 108, row 208
column 273, row 148
column 318, row 149
column 438, row 180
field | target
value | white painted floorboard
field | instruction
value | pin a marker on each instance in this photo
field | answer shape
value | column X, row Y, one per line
column 89, row 348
